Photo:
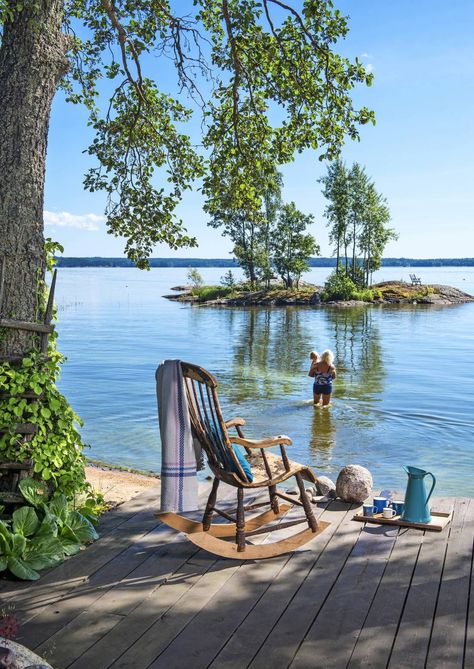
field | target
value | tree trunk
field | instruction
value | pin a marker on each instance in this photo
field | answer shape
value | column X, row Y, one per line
column 354, row 240
column 32, row 62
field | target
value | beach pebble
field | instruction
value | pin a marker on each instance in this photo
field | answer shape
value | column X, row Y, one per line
column 325, row 486
column 354, row 484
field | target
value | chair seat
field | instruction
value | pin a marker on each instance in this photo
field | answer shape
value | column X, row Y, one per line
column 277, row 468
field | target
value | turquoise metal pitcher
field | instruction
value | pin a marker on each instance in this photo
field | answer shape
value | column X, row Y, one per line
column 416, row 499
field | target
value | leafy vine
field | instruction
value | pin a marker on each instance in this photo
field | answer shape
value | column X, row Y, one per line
column 56, row 447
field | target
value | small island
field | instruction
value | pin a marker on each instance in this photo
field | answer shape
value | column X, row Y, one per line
column 306, row 294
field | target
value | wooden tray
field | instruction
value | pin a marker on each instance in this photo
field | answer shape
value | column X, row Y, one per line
column 439, row 520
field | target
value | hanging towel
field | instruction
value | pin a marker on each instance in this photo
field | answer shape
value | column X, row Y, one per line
column 179, row 458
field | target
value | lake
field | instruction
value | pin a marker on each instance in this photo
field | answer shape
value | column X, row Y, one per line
column 404, row 392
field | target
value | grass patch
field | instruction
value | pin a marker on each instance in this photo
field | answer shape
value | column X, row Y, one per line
column 208, row 293
column 404, row 291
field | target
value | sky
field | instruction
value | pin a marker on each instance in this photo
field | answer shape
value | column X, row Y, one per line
column 419, row 154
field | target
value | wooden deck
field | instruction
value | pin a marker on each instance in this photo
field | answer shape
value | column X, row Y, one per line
column 357, row 596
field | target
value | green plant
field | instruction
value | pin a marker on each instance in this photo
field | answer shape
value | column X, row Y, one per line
column 338, row 286
column 195, row 278
column 228, row 280
column 41, row 535
column 207, row 293
column 56, row 447
column 364, row 295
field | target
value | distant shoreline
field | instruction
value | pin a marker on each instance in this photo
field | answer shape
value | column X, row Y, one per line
column 233, row 264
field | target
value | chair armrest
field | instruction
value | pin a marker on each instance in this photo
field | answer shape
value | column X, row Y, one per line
column 234, row 421
column 262, row 443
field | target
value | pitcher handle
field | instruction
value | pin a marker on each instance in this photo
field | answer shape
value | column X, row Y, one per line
column 432, row 487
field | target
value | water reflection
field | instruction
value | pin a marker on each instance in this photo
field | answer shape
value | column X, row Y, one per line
column 323, row 435
column 358, row 352
column 267, row 353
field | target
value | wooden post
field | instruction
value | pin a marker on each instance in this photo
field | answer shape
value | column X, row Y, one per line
column 211, row 502
column 240, row 537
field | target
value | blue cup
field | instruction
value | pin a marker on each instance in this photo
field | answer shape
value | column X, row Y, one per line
column 368, row 510
column 398, row 506
column 380, row 503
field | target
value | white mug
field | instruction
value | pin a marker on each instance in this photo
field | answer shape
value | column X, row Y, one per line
column 388, row 512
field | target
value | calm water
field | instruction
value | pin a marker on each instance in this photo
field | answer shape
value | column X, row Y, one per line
column 404, row 394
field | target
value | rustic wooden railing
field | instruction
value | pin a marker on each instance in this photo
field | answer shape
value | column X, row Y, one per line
column 11, row 473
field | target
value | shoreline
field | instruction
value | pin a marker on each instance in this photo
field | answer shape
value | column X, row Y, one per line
column 118, row 484
column 388, row 293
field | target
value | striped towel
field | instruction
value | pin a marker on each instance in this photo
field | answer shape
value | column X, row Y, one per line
column 179, row 485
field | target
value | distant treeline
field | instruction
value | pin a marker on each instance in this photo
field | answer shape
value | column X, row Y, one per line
column 223, row 262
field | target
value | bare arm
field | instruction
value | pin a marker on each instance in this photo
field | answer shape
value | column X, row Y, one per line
column 333, row 372
column 312, row 369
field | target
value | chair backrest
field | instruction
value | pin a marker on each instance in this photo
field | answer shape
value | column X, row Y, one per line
column 207, row 422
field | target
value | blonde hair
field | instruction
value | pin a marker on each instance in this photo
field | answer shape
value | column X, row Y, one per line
column 327, row 357
column 314, row 355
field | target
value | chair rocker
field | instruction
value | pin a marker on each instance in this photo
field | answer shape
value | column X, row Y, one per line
column 268, row 470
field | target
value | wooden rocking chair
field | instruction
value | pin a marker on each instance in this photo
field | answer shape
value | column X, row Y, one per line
column 268, row 471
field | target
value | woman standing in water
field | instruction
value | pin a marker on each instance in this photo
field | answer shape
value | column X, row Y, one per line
column 324, row 372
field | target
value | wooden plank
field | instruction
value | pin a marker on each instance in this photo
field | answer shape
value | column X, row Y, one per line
column 132, row 627
column 57, row 582
column 246, row 640
column 52, row 616
column 60, row 581
column 469, row 643
column 125, row 513
column 20, row 428
column 52, row 612
column 413, row 636
column 27, row 464
column 282, row 643
column 24, row 325
column 114, row 603
column 142, row 613
column 27, row 395
column 208, row 631
column 337, row 623
column 164, row 629
column 230, row 606
column 70, row 643
column 379, row 629
column 449, row 629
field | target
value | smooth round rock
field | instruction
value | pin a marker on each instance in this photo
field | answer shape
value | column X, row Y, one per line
column 354, row 484
column 325, row 486
column 24, row 658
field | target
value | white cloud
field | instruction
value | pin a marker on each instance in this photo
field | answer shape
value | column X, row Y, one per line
column 369, row 68
column 65, row 219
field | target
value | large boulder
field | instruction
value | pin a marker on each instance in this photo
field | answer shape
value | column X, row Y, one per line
column 354, row 484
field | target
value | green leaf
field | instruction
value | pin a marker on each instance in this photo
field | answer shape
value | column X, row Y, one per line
column 69, row 541
column 3, row 562
column 44, row 552
column 59, row 507
column 34, row 492
column 48, row 528
column 22, row 570
column 25, row 521
column 82, row 527
column 18, row 545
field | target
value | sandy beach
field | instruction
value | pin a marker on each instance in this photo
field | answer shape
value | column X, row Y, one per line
column 116, row 485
